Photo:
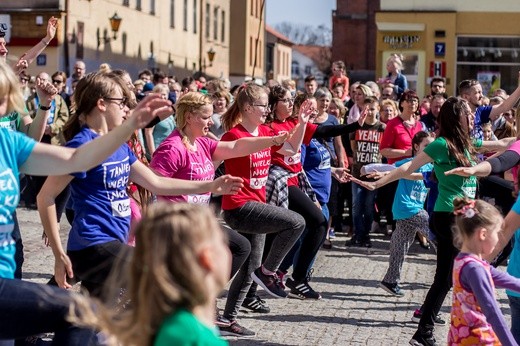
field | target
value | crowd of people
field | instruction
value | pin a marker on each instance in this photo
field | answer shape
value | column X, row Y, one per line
column 174, row 190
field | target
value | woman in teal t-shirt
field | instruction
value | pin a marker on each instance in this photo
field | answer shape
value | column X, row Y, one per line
column 453, row 148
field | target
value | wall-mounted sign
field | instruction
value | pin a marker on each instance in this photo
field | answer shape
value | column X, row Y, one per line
column 437, row 68
column 41, row 60
column 401, row 41
column 440, row 49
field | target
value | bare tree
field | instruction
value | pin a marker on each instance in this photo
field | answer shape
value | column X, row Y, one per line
column 306, row 34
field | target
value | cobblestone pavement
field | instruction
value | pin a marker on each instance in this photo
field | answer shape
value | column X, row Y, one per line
column 353, row 311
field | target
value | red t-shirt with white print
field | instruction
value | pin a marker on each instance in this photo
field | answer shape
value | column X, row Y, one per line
column 290, row 163
column 253, row 168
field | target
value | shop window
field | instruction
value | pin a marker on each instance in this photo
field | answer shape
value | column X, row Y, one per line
column 493, row 61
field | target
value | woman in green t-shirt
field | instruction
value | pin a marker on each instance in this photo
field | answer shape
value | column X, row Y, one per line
column 453, row 148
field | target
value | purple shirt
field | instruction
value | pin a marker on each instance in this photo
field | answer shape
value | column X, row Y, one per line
column 474, row 278
column 173, row 160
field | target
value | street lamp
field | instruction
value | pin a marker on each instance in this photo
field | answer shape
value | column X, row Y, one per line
column 211, row 56
column 115, row 22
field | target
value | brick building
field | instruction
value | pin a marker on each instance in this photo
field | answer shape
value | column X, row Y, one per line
column 353, row 36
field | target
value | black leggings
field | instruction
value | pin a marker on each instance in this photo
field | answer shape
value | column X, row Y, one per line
column 312, row 240
column 239, row 246
column 446, row 253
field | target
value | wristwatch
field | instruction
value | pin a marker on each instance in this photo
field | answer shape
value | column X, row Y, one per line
column 44, row 108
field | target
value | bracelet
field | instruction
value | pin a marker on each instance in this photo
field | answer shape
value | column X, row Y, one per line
column 44, row 108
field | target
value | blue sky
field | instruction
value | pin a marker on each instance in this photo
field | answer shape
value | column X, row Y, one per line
column 311, row 12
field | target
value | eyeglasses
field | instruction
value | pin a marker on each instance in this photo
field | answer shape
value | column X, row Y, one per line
column 122, row 100
column 289, row 100
column 57, row 81
column 263, row 106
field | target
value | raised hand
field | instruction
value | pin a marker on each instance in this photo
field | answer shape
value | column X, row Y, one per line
column 363, row 116
column 306, row 110
column 461, row 171
column 52, row 25
column 21, row 65
column 149, row 107
column 46, row 91
column 227, row 185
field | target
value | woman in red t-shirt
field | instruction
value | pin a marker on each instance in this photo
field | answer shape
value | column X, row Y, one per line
column 247, row 212
column 297, row 194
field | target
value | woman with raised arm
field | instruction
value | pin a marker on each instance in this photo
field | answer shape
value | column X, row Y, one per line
column 102, row 207
column 247, row 211
column 288, row 186
column 187, row 153
column 452, row 148
column 29, row 308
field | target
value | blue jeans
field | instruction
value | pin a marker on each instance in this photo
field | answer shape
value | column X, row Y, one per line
column 362, row 210
column 29, row 309
column 514, row 304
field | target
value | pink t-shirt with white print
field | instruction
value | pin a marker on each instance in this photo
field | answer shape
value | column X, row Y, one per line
column 172, row 159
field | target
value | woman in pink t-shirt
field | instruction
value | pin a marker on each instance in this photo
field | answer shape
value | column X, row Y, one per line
column 188, row 154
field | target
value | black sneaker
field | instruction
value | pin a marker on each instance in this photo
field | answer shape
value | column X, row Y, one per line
column 353, row 242
column 366, row 243
column 423, row 337
column 256, row 304
column 392, row 288
column 270, row 283
column 232, row 328
column 301, row 290
column 437, row 320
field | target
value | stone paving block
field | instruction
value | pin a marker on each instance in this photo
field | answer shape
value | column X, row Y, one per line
column 353, row 311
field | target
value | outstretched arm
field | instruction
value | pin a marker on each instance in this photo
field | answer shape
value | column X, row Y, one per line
column 399, row 173
column 32, row 53
column 55, row 160
column 501, row 163
column 245, row 146
column 508, row 103
column 163, row 186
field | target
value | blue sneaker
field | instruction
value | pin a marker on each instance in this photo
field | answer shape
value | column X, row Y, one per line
column 332, row 234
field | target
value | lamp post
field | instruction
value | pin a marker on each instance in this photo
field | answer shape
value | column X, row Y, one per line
column 115, row 22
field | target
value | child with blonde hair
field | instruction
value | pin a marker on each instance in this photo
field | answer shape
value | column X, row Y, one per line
column 179, row 265
column 475, row 315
